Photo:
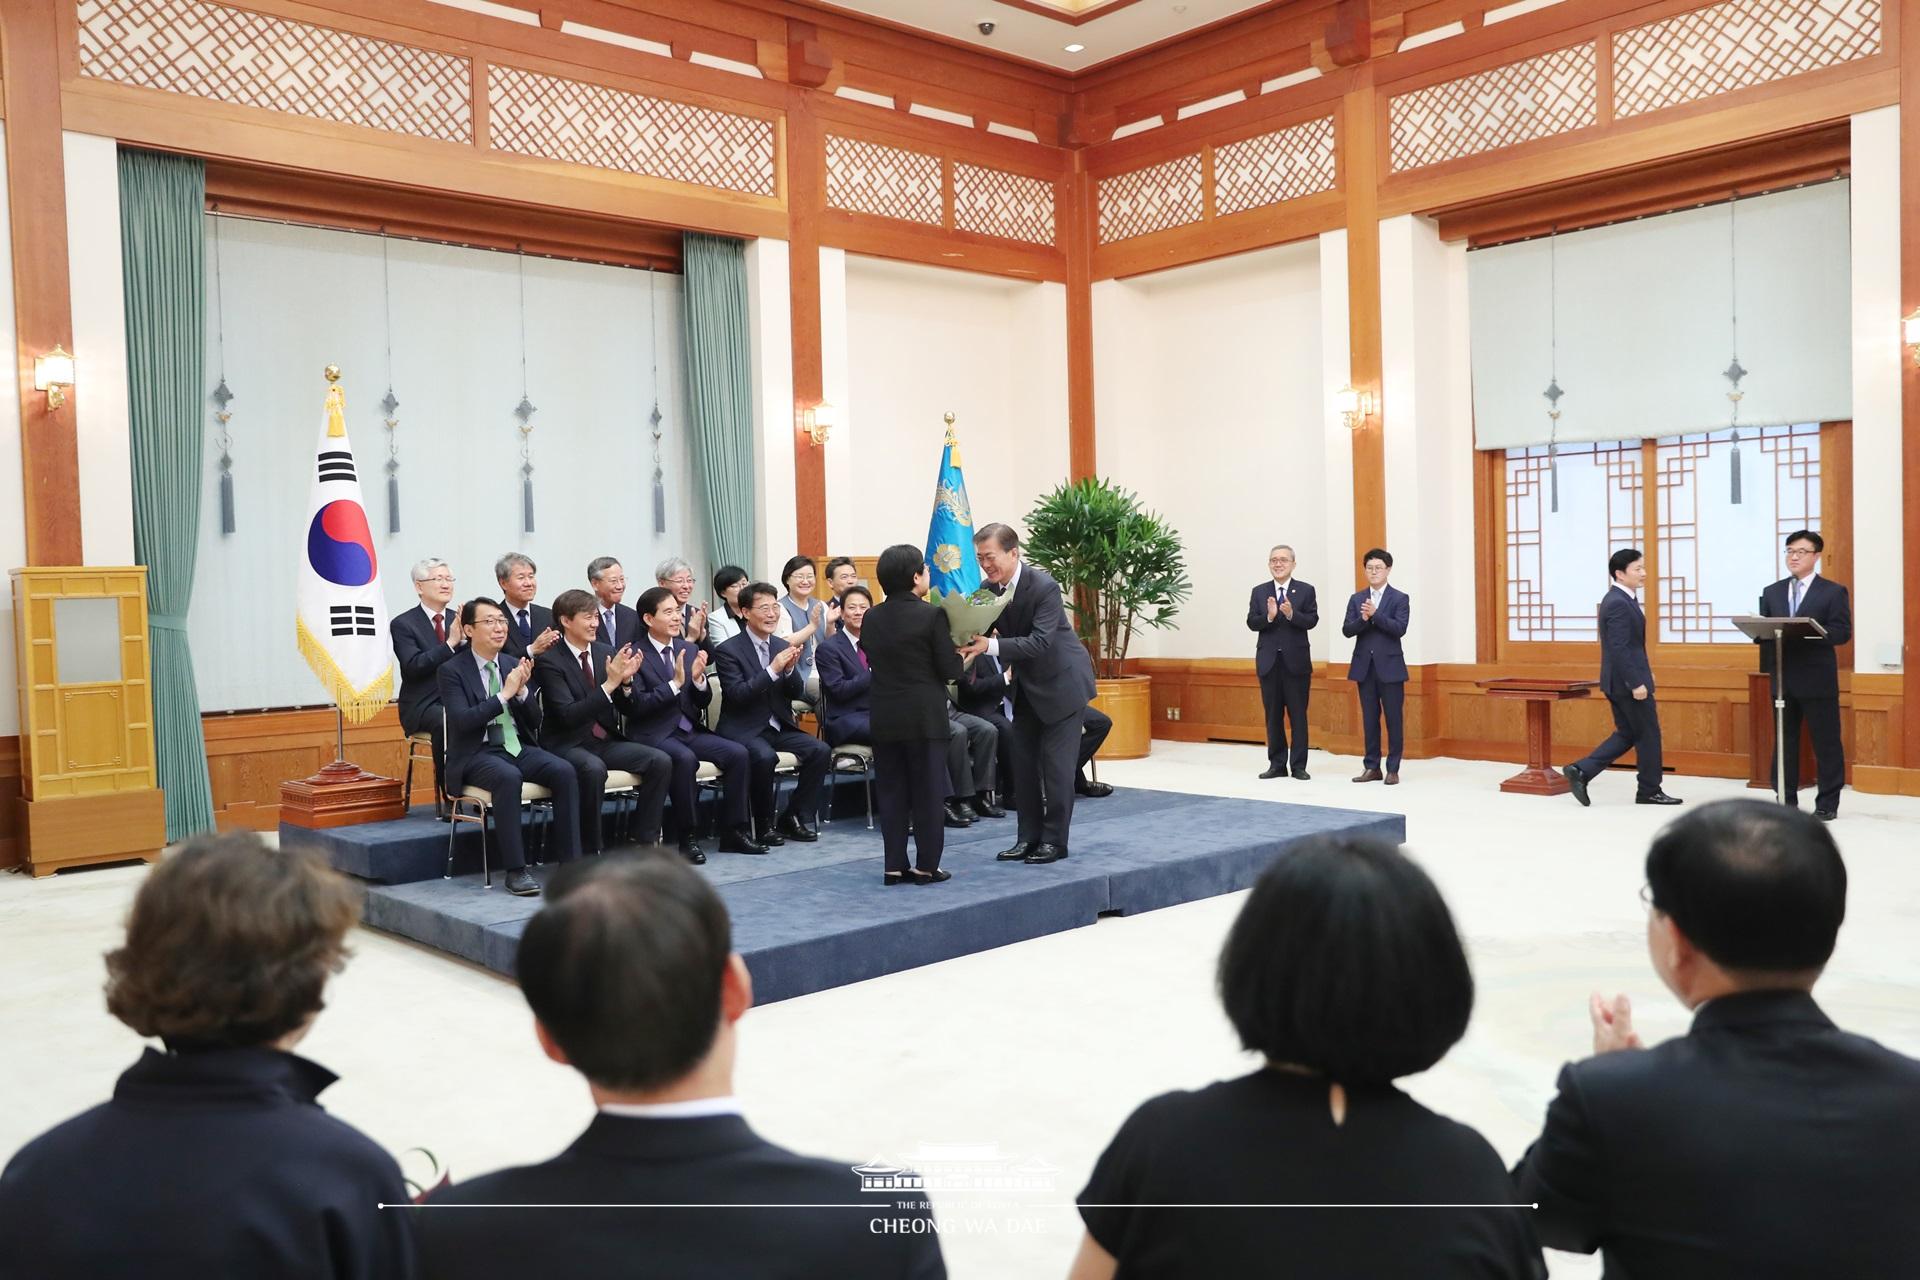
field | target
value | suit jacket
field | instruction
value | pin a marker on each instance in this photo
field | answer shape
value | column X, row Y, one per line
column 218, row 1162
column 981, row 687
column 751, row 694
column 699, row 1160
column 1623, row 645
column 627, row 627
column 517, row 642
column 653, row 708
column 1283, row 639
column 1812, row 671
column 420, row 652
column 845, row 683
column 1764, row 1142
column 911, row 648
column 569, row 705
column 471, row 711
column 1056, row 673
column 1376, row 641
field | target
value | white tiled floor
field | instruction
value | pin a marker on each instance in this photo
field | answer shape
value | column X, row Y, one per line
column 1041, row 1048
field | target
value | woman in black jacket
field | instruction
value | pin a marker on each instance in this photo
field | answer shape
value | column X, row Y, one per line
column 910, row 648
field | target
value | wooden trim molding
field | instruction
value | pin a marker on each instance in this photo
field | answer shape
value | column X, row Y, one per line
column 806, row 172
column 1075, row 195
column 1359, row 175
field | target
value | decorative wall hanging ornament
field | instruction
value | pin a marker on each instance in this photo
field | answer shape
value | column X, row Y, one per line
column 391, row 404
column 524, row 411
column 1553, row 391
column 1734, row 372
column 222, row 397
column 659, row 466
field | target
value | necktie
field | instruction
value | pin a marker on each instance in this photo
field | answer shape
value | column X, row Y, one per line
column 1793, row 608
column 526, row 627
column 666, row 660
column 586, row 670
column 606, row 624
column 861, row 650
column 440, row 626
column 766, row 659
column 509, row 733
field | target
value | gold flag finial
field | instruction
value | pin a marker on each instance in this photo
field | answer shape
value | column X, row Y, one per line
column 336, row 404
column 953, row 441
column 333, row 373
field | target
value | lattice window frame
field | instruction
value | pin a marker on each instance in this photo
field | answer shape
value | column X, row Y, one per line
column 1495, row 109
column 236, row 56
column 1157, row 197
column 870, row 177
column 1530, row 617
column 1271, row 168
column 1738, row 44
column 996, row 202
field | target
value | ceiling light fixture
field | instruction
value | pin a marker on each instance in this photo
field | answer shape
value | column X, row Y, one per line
column 1076, row 48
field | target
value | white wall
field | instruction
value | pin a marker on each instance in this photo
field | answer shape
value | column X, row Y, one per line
column 922, row 342
column 1877, row 353
column 298, row 299
column 13, row 521
column 770, row 315
column 99, row 348
column 1212, row 404
column 1427, row 400
column 1336, row 371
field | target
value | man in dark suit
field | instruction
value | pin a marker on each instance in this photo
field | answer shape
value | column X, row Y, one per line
column 423, row 639
column 1054, row 687
column 846, row 675
column 581, row 685
column 760, row 682
column 635, row 942
column 1811, row 680
column 619, row 624
column 1764, row 1142
column 492, row 725
column 1281, row 611
column 530, row 629
column 1376, row 620
column 670, row 693
column 1627, row 679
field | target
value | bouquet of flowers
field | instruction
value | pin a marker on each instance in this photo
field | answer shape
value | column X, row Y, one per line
column 968, row 615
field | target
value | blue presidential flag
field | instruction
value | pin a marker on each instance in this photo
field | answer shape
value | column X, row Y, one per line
column 951, row 564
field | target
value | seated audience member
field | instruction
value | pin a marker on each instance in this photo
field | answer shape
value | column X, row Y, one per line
column 530, row 629
column 676, row 575
column 1764, row 1142
column 725, row 622
column 1344, row 973
column 424, row 638
column 670, row 691
column 841, row 574
column 631, row 977
column 492, row 727
column 1095, row 725
column 985, row 691
column 619, row 624
column 803, row 621
column 213, row 1158
column 973, row 762
column 760, row 680
column 582, row 691
column 846, row 675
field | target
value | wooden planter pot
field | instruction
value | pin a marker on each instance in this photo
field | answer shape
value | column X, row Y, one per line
column 1129, row 701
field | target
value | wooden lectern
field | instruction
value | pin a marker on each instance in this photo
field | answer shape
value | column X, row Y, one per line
column 1778, row 631
column 1539, row 778
column 89, row 792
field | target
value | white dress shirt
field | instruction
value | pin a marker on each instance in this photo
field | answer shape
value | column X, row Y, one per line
column 691, row 1109
column 993, row 642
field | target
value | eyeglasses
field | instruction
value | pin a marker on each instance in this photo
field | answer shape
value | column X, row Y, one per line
column 1646, row 898
column 1795, row 553
column 441, row 578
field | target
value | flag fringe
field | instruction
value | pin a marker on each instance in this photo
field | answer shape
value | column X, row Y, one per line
column 358, row 705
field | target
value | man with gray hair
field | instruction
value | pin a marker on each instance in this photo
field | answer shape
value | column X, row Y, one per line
column 530, row 629
column 423, row 638
column 676, row 575
column 1281, row 612
column 619, row 624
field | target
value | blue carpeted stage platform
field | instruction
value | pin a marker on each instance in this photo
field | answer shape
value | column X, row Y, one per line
column 810, row 917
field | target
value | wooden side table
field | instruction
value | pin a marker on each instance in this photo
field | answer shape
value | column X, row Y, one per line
column 1539, row 778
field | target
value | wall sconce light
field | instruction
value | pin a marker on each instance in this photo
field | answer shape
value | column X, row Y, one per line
column 818, row 422
column 53, row 374
column 1354, row 407
column 1910, row 331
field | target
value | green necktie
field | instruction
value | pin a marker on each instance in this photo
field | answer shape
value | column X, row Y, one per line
column 510, row 736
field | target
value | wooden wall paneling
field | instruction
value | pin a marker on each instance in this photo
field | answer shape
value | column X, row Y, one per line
column 249, row 754
column 1909, row 90
column 1263, row 114
column 1489, row 552
column 1074, row 198
column 903, row 241
column 1202, row 241
column 806, row 174
column 1209, row 62
column 918, row 133
column 1360, row 128
column 10, row 851
column 42, row 310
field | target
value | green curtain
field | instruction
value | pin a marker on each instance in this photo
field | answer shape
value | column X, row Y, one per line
column 720, row 392
column 162, row 199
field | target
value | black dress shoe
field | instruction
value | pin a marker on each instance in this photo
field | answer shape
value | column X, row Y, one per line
column 1274, row 772
column 521, row 883
column 984, row 807
column 1301, row 775
column 1658, row 797
column 793, row 827
column 929, row 877
column 965, row 809
column 1578, row 783
column 1044, row 852
column 1092, row 790
column 1826, row 815
column 954, row 818
column 771, row 838
column 891, row 878
column 692, row 852
column 1015, row 853
column 740, row 840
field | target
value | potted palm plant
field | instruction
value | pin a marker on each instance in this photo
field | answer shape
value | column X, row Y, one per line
column 1124, row 569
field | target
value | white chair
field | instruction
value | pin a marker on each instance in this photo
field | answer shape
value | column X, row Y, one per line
column 420, row 748
column 625, row 787
column 472, row 806
column 855, row 759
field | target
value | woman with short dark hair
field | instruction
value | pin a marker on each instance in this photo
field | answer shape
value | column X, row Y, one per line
column 213, row 1157
column 1344, row 973
column 725, row 622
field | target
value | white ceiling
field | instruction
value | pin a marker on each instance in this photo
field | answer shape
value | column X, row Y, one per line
column 1037, row 38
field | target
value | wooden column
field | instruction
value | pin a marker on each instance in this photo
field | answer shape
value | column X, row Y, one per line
column 1360, row 176
column 1081, row 232
column 806, row 173
column 42, row 311
column 1909, row 729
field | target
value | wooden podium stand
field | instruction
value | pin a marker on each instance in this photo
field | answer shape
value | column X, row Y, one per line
column 1539, row 778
